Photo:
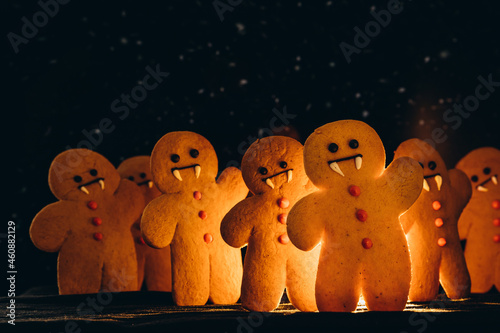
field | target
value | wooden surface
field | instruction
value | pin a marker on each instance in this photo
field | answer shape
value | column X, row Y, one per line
column 41, row 310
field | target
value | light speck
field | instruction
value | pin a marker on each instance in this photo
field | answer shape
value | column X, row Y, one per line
column 444, row 54
column 243, row 82
column 201, row 91
column 401, row 90
column 124, row 40
column 296, row 68
column 331, row 64
column 427, row 59
column 421, row 122
column 365, row 114
column 357, row 95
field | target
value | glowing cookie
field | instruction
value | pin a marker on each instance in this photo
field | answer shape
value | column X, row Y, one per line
column 273, row 170
column 355, row 217
column 90, row 224
column 187, row 217
column 431, row 226
column 479, row 223
column 154, row 269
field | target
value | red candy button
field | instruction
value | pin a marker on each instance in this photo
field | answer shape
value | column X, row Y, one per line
column 436, row 205
column 495, row 204
column 283, row 203
column 361, row 215
column 441, row 241
column 208, row 238
column 98, row 236
column 283, row 239
column 202, row 214
column 367, row 243
column 496, row 238
column 354, row 190
column 140, row 240
column 282, row 218
column 439, row 222
column 197, row 195
column 96, row 221
column 92, row 205
column 496, row 222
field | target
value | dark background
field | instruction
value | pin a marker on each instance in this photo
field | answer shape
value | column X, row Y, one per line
column 64, row 80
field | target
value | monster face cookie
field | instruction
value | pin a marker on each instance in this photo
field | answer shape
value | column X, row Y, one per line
column 431, row 226
column 153, row 264
column 479, row 223
column 90, row 224
column 274, row 172
column 355, row 216
column 187, row 217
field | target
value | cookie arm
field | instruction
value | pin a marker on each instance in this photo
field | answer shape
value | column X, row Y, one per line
column 405, row 178
column 235, row 227
column 50, row 228
column 304, row 224
column 131, row 199
column 157, row 225
column 461, row 186
column 231, row 182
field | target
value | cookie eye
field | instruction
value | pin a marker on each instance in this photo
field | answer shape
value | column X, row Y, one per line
column 474, row 178
column 77, row 179
column 421, row 164
column 143, row 175
column 175, row 158
column 263, row 171
column 487, row 171
column 131, row 178
column 333, row 147
column 194, row 153
column 283, row 164
column 354, row 144
column 432, row 165
column 93, row 172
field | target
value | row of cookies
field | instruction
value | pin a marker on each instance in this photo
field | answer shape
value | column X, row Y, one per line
column 294, row 207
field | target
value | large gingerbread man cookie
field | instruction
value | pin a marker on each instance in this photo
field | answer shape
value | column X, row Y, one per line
column 355, row 215
column 153, row 265
column 431, row 226
column 273, row 170
column 479, row 223
column 90, row 224
column 187, row 217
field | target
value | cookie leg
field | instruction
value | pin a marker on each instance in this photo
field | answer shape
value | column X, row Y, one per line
column 453, row 272
column 338, row 283
column 82, row 278
column 118, row 276
column 263, row 283
column 424, row 272
column 386, row 284
column 301, row 271
column 497, row 271
column 158, row 270
column 141, row 262
column 226, row 271
column 479, row 264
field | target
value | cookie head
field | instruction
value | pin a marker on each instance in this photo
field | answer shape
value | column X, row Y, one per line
column 272, row 164
column 435, row 171
column 343, row 151
column 181, row 160
column 137, row 169
column 482, row 166
column 79, row 174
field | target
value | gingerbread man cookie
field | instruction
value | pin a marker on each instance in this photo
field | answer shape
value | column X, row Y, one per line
column 273, row 170
column 188, row 215
column 90, row 224
column 153, row 265
column 355, row 215
column 431, row 226
column 479, row 223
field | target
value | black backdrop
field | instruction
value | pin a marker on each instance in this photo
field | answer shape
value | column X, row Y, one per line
column 225, row 79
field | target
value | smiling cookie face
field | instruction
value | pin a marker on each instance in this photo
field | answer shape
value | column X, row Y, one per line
column 78, row 174
column 482, row 166
column 180, row 160
column 435, row 171
column 273, row 163
column 137, row 169
column 343, row 152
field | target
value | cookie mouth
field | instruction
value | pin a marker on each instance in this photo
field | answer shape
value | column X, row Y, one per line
column 437, row 178
column 358, row 160
column 493, row 179
column 149, row 183
column 177, row 174
column 270, row 183
column 83, row 187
